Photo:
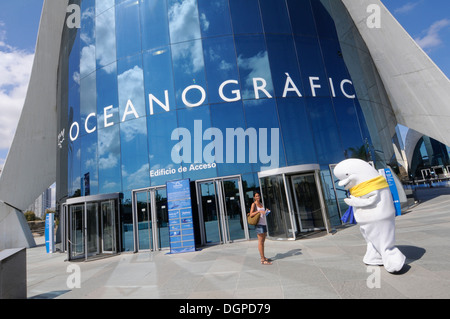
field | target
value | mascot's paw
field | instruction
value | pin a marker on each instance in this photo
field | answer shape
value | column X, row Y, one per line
column 394, row 262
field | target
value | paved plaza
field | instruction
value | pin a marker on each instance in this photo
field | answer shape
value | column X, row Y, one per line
column 325, row 266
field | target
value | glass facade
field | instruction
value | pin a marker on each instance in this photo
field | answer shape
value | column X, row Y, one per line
column 160, row 90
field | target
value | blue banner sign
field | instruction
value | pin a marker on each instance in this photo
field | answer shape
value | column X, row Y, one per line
column 393, row 188
column 181, row 223
column 50, row 233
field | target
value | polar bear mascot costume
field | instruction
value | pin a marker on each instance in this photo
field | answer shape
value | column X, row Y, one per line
column 374, row 211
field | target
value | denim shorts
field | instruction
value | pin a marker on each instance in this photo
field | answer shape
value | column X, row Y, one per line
column 261, row 229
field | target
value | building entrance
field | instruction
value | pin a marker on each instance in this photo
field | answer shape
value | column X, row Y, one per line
column 222, row 210
column 294, row 196
column 90, row 226
column 150, row 219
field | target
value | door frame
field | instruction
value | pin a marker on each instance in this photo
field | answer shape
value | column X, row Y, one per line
column 286, row 173
column 151, row 191
column 224, row 233
column 66, row 222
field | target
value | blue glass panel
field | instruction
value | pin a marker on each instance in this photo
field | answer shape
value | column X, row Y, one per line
column 296, row 131
column 105, row 41
column 73, row 169
column 229, row 119
column 88, row 104
column 87, row 38
column 349, row 127
column 262, row 114
column 254, row 68
column 183, row 20
column 302, row 19
column 283, row 60
column 103, row 5
column 130, row 79
column 325, row 130
column 275, row 16
column 312, row 69
column 193, row 122
column 324, row 22
column 134, row 154
column 89, row 171
column 107, row 100
column 109, row 160
column 160, row 128
column 245, row 16
column 158, row 80
column 128, row 28
column 189, row 69
column 154, row 23
column 220, row 62
column 74, row 64
column 126, row 219
column 214, row 17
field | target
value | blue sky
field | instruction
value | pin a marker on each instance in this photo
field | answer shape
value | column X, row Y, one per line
column 427, row 21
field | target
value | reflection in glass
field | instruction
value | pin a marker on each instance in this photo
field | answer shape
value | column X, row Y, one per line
column 275, row 17
column 144, row 221
column 253, row 64
column 214, row 17
column 324, row 127
column 274, row 195
column 134, row 154
column 308, row 212
column 77, row 241
column 109, row 175
column 154, row 21
column 87, row 38
column 283, row 62
column 162, row 217
column 245, row 16
column 105, row 40
column 239, row 143
column 262, row 115
column 128, row 28
column 130, row 81
column 89, row 172
column 220, row 62
column 302, row 20
column 210, row 212
column 107, row 99
column 296, row 131
column 183, row 20
column 232, row 209
column 189, row 70
column 158, row 80
column 160, row 144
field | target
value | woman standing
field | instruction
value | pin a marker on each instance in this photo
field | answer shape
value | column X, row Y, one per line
column 261, row 227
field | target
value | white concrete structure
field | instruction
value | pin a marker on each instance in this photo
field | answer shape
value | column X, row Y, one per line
column 30, row 167
column 419, row 92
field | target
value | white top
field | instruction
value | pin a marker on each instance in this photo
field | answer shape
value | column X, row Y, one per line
column 262, row 217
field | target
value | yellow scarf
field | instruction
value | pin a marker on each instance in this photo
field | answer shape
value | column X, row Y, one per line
column 369, row 186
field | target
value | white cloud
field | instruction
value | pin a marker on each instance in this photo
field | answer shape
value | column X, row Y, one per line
column 15, row 71
column 407, row 7
column 432, row 37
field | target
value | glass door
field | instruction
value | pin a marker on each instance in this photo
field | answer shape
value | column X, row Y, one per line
column 162, row 218
column 144, row 221
column 151, row 219
column 307, row 208
column 92, row 229
column 213, row 232
column 108, row 226
column 221, row 206
column 76, row 229
column 232, row 211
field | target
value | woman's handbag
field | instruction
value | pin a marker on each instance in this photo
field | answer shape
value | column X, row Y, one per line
column 253, row 220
